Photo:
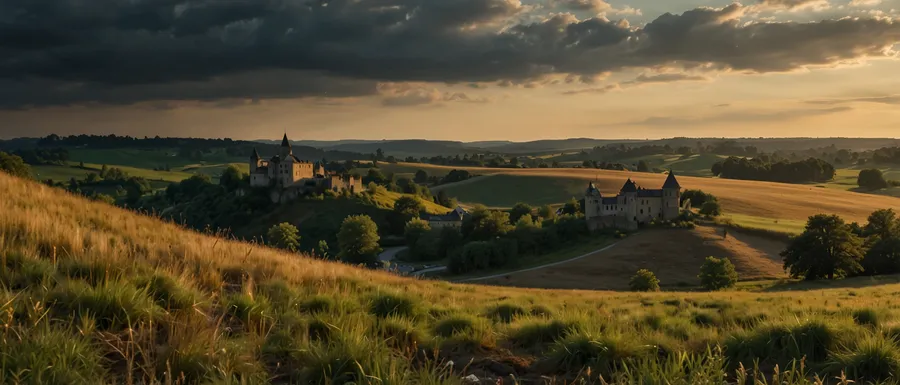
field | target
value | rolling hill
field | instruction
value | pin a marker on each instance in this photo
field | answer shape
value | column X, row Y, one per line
column 96, row 294
column 676, row 256
column 500, row 187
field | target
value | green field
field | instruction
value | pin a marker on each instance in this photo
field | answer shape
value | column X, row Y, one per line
column 148, row 159
column 64, row 173
column 845, row 179
column 502, row 190
column 694, row 165
column 786, row 226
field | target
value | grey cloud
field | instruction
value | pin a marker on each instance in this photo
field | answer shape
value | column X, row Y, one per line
column 738, row 116
column 886, row 99
column 119, row 51
column 792, row 4
column 585, row 5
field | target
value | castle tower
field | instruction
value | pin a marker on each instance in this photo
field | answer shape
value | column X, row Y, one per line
column 628, row 200
column 254, row 161
column 286, row 150
column 671, row 197
column 592, row 201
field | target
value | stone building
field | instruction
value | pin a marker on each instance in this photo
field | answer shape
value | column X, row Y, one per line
column 633, row 205
column 289, row 177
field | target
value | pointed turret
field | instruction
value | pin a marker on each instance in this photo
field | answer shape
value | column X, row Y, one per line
column 629, row 187
column 286, row 150
column 255, row 155
column 592, row 190
column 671, row 182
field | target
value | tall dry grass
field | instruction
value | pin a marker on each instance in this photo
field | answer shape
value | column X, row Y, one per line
column 143, row 301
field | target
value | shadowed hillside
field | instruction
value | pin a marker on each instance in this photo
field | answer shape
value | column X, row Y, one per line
column 675, row 256
column 95, row 294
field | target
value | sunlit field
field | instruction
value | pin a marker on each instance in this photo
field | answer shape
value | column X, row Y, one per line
column 94, row 294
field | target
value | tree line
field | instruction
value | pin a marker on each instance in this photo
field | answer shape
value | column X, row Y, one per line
column 831, row 248
column 809, row 170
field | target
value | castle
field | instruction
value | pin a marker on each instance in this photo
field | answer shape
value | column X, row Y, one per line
column 633, row 205
column 289, row 177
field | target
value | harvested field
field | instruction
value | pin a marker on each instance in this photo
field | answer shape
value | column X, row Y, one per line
column 753, row 198
column 674, row 256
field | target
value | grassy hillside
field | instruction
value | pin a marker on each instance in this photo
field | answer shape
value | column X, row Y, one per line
column 846, row 180
column 675, row 254
column 94, row 294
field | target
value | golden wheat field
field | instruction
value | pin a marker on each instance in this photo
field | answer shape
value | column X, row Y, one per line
column 753, row 198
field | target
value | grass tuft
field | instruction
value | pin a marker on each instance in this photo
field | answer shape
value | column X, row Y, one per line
column 317, row 304
column 506, row 312
column 454, row 325
column 387, row 305
column 866, row 317
column 113, row 305
column 875, row 358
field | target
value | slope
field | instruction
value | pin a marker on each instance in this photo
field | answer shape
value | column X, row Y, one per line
column 675, row 256
column 96, row 294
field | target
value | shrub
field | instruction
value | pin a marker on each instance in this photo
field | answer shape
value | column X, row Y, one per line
column 716, row 273
column 415, row 229
column 358, row 240
column 284, row 236
column 387, row 305
column 872, row 179
column 644, row 280
column 711, row 209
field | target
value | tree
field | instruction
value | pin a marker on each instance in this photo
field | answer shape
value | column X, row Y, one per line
column 374, row 175
column 483, row 224
column 827, row 248
column 231, row 178
column 883, row 224
column 450, row 239
column 717, row 168
column 284, row 236
column 322, row 249
column 642, row 166
column 415, row 229
column 14, row 165
column 697, row 197
column 872, row 179
column 518, row 211
column 358, row 240
column 572, row 207
column 644, row 280
column 883, row 255
column 405, row 209
column 716, row 273
column 711, row 208
column 421, row 176
column 546, row 212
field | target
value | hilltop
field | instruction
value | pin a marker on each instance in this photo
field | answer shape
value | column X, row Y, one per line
column 98, row 294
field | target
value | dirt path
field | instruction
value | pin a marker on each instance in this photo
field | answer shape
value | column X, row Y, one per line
column 674, row 255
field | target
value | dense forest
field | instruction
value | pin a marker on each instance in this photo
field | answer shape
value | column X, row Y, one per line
column 193, row 148
column 809, row 170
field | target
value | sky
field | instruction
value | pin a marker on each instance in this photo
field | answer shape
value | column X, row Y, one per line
column 462, row 70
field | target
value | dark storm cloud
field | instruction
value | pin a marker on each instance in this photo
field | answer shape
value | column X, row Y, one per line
column 71, row 51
